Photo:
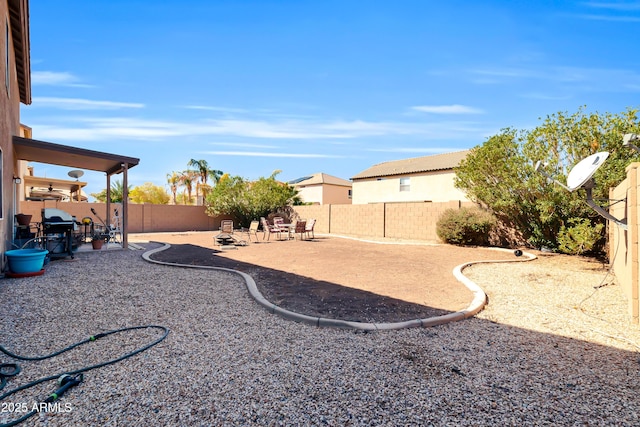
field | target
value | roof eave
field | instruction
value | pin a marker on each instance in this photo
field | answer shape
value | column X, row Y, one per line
column 19, row 16
column 400, row 173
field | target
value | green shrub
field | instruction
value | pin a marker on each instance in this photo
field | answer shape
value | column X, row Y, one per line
column 580, row 238
column 466, row 226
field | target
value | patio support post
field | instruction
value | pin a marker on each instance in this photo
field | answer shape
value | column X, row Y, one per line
column 124, row 215
column 108, row 202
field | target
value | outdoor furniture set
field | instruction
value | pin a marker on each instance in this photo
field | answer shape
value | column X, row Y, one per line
column 228, row 237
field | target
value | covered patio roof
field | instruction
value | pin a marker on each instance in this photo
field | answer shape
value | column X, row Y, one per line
column 33, row 150
column 63, row 155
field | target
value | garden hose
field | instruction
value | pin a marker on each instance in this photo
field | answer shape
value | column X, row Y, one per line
column 66, row 380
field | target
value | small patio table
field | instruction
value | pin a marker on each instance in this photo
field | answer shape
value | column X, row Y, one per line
column 289, row 227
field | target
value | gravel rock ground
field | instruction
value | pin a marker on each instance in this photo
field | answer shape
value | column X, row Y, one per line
column 550, row 349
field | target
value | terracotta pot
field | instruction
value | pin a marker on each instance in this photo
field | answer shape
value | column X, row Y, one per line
column 23, row 219
column 97, row 244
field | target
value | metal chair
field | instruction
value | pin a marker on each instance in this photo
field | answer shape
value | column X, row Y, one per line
column 301, row 228
column 309, row 228
column 253, row 229
column 268, row 229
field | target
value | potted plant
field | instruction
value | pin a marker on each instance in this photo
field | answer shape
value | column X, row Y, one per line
column 97, row 240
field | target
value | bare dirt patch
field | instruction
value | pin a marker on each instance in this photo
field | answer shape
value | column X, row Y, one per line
column 344, row 278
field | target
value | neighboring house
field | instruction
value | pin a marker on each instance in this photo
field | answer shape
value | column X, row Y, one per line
column 39, row 188
column 419, row 179
column 15, row 88
column 323, row 189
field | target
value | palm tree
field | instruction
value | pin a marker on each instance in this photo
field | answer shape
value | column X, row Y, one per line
column 215, row 175
column 174, row 180
column 186, row 179
column 204, row 172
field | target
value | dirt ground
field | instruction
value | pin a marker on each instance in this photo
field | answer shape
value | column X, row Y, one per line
column 341, row 278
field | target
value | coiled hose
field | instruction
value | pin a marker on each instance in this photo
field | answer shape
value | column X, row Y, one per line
column 75, row 375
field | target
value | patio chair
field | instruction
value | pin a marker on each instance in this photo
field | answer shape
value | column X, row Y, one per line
column 268, row 229
column 301, row 227
column 253, row 229
column 309, row 228
column 226, row 237
column 226, row 226
column 115, row 228
column 278, row 221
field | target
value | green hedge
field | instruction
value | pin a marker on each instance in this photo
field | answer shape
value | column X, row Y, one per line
column 466, row 226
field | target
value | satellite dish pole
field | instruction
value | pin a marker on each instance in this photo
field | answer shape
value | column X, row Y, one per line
column 76, row 173
column 627, row 141
column 581, row 176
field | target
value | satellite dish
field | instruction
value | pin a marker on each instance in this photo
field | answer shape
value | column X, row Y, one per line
column 580, row 176
column 584, row 170
column 76, row 173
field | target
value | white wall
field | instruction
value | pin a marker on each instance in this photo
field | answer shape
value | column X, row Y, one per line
column 433, row 186
column 311, row 194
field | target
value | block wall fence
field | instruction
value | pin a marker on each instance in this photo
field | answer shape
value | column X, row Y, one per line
column 143, row 218
column 623, row 244
column 411, row 221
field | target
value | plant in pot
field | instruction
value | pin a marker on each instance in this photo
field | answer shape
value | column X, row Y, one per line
column 97, row 240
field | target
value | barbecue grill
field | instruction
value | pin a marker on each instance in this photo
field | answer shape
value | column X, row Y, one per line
column 58, row 227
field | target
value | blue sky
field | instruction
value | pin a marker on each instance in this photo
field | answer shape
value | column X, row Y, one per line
column 330, row 86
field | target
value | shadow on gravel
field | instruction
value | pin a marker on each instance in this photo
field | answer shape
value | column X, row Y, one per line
column 305, row 295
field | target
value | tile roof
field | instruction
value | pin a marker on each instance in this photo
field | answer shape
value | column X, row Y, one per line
column 320, row 178
column 414, row 165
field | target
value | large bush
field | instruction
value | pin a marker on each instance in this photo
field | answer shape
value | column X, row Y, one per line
column 500, row 175
column 581, row 237
column 465, row 226
column 249, row 200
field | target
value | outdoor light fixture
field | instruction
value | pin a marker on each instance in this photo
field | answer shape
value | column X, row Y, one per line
column 581, row 176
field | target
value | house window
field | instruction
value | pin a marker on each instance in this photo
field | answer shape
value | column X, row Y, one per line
column 350, row 193
column 405, row 184
column 7, row 74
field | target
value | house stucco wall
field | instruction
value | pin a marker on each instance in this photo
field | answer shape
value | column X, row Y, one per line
column 9, row 126
column 336, row 195
column 433, row 187
column 325, row 194
column 311, row 194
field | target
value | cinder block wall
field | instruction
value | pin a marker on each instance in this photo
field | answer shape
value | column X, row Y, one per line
column 145, row 218
column 411, row 221
column 623, row 245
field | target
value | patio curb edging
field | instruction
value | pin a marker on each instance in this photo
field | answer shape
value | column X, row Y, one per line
column 479, row 296
column 477, row 304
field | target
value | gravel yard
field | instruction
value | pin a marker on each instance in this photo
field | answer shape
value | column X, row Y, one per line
column 550, row 349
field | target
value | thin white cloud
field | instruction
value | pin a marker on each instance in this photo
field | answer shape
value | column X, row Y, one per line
column 55, row 78
column 447, row 109
column 545, row 97
column 619, row 6
column 594, row 79
column 506, row 72
column 435, row 150
column 218, row 109
column 268, row 154
column 610, row 18
column 241, row 145
column 106, row 128
column 82, row 104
